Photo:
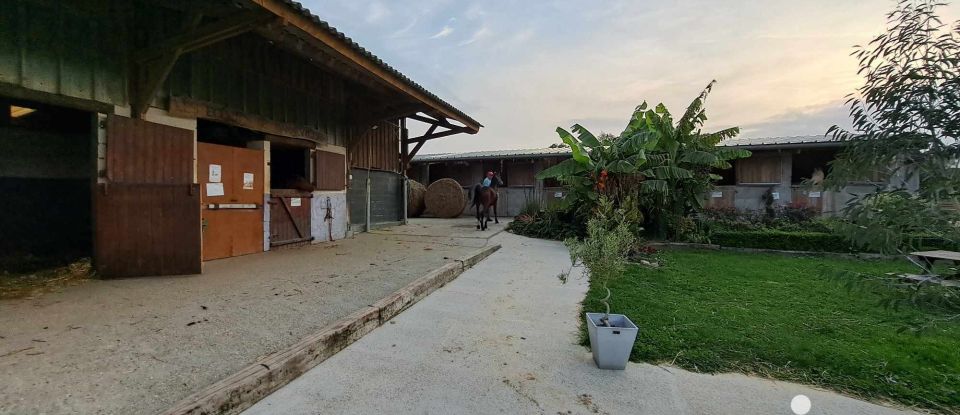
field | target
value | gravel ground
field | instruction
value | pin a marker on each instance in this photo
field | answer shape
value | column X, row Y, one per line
column 136, row 346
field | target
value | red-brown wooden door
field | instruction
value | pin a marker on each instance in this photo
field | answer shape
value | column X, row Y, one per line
column 146, row 215
column 232, row 211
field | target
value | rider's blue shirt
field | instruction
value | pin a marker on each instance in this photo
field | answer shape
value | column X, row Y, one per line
column 486, row 182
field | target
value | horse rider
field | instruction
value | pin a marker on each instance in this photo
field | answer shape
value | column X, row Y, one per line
column 487, row 181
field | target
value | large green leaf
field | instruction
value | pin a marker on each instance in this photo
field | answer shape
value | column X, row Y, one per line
column 586, row 137
column 579, row 154
column 703, row 158
column 654, row 185
column 568, row 167
column 668, row 173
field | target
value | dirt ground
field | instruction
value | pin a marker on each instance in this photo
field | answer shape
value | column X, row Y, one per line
column 136, row 346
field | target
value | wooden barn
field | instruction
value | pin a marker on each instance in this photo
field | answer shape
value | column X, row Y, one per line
column 154, row 135
column 780, row 165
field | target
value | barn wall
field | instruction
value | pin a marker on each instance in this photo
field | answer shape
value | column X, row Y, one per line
column 72, row 49
column 378, row 148
column 248, row 75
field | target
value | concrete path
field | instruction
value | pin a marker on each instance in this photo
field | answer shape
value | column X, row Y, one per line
column 139, row 345
column 502, row 339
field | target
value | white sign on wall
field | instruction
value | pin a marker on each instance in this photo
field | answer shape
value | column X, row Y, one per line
column 776, row 195
column 716, row 195
column 214, row 175
column 248, row 181
column 814, row 194
column 214, row 189
column 295, row 201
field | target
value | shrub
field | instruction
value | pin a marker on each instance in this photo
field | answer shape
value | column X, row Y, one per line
column 553, row 224
column 782, row 240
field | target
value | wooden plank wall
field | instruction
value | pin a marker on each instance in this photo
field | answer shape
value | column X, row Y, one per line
column 331, row 171
column 378, row 149
column 759, row 169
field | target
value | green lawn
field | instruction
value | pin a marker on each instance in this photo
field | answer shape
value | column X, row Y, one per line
column 780, row 317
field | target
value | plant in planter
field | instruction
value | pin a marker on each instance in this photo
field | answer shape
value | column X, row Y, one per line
column 603, row 253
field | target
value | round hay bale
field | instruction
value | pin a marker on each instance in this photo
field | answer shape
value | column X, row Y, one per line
column 415, row 194
column 445, row 199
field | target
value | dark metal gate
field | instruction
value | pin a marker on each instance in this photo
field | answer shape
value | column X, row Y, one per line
column 147, row 208
column 386, row 197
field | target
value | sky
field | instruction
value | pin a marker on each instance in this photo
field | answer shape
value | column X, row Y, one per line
column 523, row 68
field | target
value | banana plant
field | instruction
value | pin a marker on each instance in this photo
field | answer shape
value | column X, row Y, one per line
column 679, row 171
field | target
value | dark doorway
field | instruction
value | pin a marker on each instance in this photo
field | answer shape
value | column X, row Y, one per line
column 46, row 173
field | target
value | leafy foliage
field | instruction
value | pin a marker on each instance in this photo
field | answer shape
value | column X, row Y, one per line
column 905, row 127
column 662, row 166
column 605, row 249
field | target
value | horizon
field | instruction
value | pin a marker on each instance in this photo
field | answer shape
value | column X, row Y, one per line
column 784, row 71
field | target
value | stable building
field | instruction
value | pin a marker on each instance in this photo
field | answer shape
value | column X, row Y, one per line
column 155, row 135
column 784, row 167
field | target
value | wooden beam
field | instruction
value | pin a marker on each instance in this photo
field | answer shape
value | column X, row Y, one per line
column 201, row 36
column 431, row 135
column 188, row 108
column 306, row 24
column 151, row 66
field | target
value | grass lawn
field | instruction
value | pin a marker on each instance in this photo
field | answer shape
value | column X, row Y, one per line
column 778, row 316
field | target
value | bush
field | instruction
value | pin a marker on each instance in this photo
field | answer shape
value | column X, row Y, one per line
column 782, row 240
column 549, row 224
column 787, row 218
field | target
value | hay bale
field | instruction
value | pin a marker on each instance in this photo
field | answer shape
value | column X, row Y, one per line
column 415, row 194
column 445, row 199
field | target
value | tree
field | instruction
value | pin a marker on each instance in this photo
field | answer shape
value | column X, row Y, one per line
column 664, row 166
column 679, row 170
column 906, row 125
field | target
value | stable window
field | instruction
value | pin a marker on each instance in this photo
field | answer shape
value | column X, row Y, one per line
column 520, row 174
column 290, row 167
column 811, row 164
column 759, row 169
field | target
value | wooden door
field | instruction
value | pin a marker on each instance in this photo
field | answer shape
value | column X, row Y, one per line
column 231, row 207
column 146, row 217
column 289, row 217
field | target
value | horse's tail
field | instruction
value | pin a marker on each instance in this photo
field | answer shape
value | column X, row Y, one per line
column 475, row 197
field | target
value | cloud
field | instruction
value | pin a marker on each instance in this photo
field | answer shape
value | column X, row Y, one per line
column 480, row 34
column 446, row 31
column 377, row 12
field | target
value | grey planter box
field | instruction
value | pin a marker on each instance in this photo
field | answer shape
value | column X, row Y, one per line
column 611, row 346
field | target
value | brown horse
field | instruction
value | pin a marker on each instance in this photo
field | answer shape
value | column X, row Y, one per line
column 486, row 198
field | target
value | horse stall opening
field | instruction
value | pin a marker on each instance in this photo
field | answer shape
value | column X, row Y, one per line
column 291, row 191
column 46, row 174
column 232, row 200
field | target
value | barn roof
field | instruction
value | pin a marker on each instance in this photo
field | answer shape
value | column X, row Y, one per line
column 782, row 142
column 341, row 42
column 759, row 143
column 494, row 154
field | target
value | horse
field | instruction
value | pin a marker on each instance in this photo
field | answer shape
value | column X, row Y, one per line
column 486, row 198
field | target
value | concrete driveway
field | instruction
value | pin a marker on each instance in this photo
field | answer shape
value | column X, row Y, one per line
column 139, row 345
column 502, row 339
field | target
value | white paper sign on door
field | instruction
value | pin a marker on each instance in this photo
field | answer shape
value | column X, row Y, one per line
column 214, row 189
column 248, row 181
column 295, row 201
column 215, row 176
column 716, row 195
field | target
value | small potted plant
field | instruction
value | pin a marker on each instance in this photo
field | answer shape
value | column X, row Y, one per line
column 603, row 253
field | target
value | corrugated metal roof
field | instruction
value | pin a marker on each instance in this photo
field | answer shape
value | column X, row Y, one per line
column 778, row 141
column 494, row 154
column 369, row 55
column 760, row 142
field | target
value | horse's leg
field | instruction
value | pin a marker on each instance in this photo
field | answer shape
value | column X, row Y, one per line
column 496, row 218
column 478, row 216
